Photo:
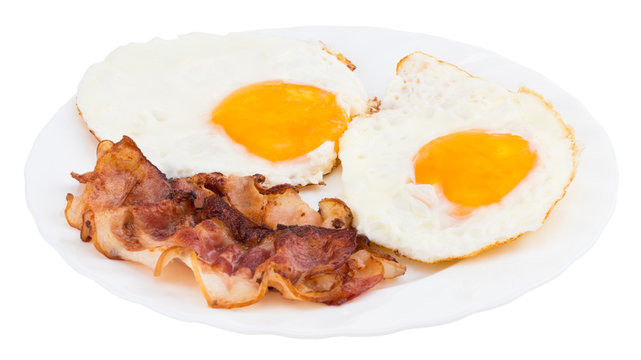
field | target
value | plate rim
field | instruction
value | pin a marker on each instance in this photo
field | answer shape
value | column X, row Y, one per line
column 327, row 332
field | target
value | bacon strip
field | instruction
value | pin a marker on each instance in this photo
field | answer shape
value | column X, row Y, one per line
column 238, row 237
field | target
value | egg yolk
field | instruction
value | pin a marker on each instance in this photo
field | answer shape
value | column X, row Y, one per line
column 474, row 168
column 280, row 121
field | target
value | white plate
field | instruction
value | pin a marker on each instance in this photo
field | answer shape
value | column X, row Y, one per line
column 428, row 294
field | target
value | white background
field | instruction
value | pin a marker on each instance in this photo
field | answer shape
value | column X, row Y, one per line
column 591, row 49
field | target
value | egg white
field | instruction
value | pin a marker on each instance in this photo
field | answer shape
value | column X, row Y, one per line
column 162, row 94
column 428, row 99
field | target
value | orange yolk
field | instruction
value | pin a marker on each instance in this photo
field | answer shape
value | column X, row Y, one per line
column 281, row 121
column 474, row 168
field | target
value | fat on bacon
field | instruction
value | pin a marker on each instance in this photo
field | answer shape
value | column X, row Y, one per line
column 239, row 237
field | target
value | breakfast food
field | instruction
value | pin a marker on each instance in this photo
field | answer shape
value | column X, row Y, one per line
column 239, row 104
column 237, row 235
column 453, row 164
column 444, row 166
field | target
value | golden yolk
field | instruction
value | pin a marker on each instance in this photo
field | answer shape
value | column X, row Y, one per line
column 280, row 121
column 474, row 168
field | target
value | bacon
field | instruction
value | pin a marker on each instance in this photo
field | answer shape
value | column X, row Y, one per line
column 242, row 229
column 238, row 237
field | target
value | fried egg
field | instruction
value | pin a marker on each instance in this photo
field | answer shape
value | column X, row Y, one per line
column 453, row 164
column 239, row 104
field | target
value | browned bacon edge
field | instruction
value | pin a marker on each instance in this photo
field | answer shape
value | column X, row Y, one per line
column 238, row 237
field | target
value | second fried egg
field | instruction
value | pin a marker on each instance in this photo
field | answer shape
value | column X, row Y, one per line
column 239, row 104
column 453, row 164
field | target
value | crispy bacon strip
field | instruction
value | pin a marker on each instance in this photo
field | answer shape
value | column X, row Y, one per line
column 239, row 237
